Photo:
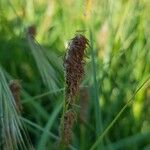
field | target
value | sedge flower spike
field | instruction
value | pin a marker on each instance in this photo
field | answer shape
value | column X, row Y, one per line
column 73, row 65
column 74, row 71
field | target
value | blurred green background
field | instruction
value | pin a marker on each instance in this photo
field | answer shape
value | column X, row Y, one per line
column 117, row 62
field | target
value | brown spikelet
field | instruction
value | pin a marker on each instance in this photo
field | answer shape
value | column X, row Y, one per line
column 74, row 70
column 15, row 88
column 73, row 64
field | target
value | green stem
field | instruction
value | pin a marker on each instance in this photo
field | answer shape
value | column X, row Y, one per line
column 98, row 116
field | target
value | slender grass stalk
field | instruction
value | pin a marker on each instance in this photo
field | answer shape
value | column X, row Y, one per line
column 42, row 95
column 98, row 115
column 118, row 115
column 45, row 94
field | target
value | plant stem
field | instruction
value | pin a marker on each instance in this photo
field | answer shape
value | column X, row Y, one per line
column 98, row 115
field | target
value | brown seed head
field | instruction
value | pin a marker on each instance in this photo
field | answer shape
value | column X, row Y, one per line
column 73, row 64
column 15, row 88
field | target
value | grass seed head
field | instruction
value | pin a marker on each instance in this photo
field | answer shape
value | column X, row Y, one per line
column 74, row 70
column 73, row 64
column 15, row 88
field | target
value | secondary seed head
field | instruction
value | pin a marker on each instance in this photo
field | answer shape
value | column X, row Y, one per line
column 15, row 88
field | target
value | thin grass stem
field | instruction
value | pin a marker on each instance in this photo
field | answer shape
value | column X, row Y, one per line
column 118, row 115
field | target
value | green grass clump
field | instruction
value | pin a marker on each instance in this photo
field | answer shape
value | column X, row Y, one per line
column 13, row 134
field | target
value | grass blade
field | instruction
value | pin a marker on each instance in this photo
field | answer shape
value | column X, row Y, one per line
column 98, row 117
column 129, row 141
column 44, row 136
column 118, row 115
column 42, row 129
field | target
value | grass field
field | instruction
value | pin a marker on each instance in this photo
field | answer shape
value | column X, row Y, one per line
column 112, row 107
